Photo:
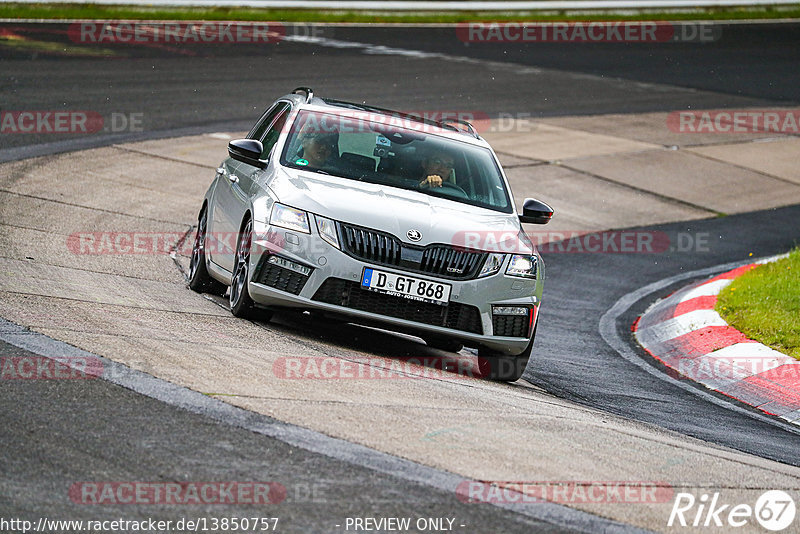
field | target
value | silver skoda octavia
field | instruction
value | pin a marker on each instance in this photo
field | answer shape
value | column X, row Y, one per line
column 376, row 217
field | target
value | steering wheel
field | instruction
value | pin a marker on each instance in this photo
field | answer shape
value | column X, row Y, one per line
column 454, row 188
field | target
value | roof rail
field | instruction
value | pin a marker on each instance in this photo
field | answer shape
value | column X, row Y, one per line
column 470, row 128
column 307, row 90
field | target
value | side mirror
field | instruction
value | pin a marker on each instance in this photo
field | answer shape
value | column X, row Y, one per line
column 247, row 151
column 535, row 212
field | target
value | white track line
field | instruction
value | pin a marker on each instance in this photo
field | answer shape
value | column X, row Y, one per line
column 678, row 326
column 608, row 330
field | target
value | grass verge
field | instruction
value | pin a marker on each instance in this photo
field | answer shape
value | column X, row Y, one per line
column 764, row 304
column 133, row 12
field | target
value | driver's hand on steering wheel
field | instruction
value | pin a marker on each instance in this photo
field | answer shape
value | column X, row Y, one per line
column 433, row 180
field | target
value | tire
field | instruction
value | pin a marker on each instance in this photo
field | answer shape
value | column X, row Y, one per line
column 443, row 343
column 241, row 303
column 504, row 367
column 199, row 279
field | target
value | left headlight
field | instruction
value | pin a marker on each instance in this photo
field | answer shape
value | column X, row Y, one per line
column 327, row 230
column 492, row 264
column 289, row 218
column 524, row 265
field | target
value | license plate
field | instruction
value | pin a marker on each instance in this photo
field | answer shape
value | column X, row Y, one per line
column 405, row 286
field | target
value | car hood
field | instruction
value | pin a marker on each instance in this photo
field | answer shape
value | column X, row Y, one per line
column 397, row 211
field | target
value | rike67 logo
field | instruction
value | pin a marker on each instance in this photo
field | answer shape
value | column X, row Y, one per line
column 774, row 510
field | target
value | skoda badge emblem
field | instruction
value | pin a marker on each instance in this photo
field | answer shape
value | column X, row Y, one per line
column 414, row 235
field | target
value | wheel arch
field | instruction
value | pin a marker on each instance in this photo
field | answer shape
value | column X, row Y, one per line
column 246, row 216
column 203, row 208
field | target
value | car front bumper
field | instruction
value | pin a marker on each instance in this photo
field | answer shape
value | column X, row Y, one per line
column 308, row 273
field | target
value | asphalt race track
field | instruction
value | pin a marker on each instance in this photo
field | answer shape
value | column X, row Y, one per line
column 60, row 432
column 222, row 86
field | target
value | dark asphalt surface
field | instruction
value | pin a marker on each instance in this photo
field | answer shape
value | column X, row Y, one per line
column 56, row 433
column 572, row 359
column 741, row 60
column 225, row 86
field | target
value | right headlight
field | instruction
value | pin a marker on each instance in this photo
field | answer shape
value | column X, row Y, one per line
column 523, row 265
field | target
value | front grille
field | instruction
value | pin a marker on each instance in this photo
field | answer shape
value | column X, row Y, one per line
column 371, row 246
column 448, row 261
column 510, row 325
column 350, row 295
column 279, row 277
column 385, row 249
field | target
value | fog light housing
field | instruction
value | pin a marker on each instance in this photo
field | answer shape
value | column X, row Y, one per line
column 513, row 321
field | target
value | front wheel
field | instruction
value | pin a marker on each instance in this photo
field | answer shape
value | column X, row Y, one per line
column 504, row 367
column 241, row 303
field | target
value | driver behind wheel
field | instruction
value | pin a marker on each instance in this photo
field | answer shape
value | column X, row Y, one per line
column 437, row 167
column 317, row 148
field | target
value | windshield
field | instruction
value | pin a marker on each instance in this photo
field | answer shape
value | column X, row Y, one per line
column 384, row 153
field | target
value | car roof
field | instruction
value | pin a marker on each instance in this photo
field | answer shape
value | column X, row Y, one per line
column 454, row 129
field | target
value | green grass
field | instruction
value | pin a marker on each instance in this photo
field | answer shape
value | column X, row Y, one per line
column 764, row 304
column 94, row 11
